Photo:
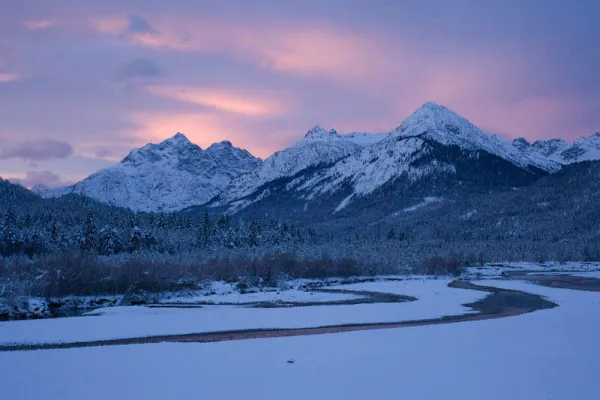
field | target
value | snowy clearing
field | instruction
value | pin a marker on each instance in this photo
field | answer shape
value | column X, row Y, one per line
column 550, row 354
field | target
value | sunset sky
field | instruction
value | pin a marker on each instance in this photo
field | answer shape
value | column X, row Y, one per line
column 83, row 82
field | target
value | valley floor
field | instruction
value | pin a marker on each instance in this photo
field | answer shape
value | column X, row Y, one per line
column 545, row 354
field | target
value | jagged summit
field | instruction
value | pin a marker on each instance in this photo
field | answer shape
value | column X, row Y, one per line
column 223, row 143
column 319, row 133
column 562, row 152
column 223, row 146
column 178, row 138
column 520, row 142
column 172, row 149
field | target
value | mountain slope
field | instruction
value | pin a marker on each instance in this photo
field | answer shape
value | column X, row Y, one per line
column 169, row 176
column 561, row 152
column 560, row 208
column 318, row 147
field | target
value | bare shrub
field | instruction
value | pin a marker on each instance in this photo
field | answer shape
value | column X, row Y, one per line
column 442, row 266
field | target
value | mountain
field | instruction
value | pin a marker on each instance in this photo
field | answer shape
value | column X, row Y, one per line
column 319, row 147
column 168, row 176
column 561, row 152
column 560, row 209
column 15, row 195
column 434, row 152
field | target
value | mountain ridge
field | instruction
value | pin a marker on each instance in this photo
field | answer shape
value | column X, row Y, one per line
column 178, row 174
column 562, row 152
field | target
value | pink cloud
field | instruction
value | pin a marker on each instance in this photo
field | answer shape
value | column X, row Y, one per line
column 313, row 49
column 40, row 24
column 206, row 129
column 6, row 77
column 258, row 103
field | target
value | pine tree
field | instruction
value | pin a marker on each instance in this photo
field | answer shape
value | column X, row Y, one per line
column 54, row 237
column 205, row 233
column 391, row 234
column 89, row 241
column 109, row 241
column 9, row 240
column 135, row 244
column 223, row 222
column 254, row 236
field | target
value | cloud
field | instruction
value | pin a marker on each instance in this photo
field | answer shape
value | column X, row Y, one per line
column 6, row 77
column 36, row 25
column 298, row 48
column 236, row 75
column 102, row 153
column 233, row 101
column 138, row 68
column 46, row 178
column 334, row 53
column 37, row 150
column 136, row 28
column 138, row 24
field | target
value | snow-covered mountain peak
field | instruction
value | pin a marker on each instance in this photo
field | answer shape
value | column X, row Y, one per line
column 319, row 134
column 433, row 107
column 438, row 123
column 224, row 146
column 179, row 139
column 171, row 149
column 225, row 152
column 224, row 143
column 168, row 176
column 549, row 147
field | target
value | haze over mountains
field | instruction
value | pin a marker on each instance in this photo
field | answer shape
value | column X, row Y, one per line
column 434, row 153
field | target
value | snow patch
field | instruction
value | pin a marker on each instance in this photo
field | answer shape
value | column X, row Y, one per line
column 426, row 201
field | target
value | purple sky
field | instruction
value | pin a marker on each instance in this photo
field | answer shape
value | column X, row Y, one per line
column 83, row 82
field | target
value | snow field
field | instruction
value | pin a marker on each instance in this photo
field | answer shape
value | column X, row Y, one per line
column 549, row 354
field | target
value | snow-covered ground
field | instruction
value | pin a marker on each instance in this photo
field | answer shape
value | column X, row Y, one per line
column 550, row 354
column 291, row 295
column 571, row 267
column 591, row 274
column 435, row 299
